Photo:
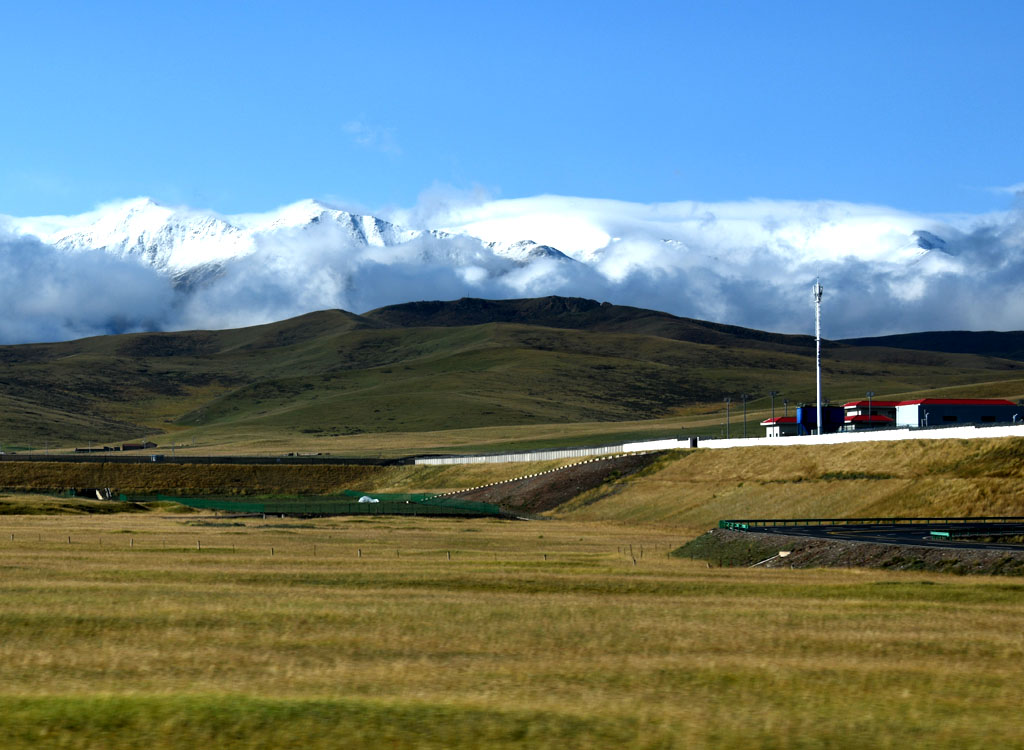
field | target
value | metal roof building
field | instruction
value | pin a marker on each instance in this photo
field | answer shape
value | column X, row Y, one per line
column 780, row 426
column 936, row 412
column 862, row 415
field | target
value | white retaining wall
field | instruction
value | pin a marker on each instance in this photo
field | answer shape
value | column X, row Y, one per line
column 947, row 433
column 507, row 458
column 966, row 432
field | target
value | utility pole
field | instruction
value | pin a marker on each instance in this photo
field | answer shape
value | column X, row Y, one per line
column 818, row 291
column 744, row 397
column 869, row 395
column 728, row 400
column 773, row 394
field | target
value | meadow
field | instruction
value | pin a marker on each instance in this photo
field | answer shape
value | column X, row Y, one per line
column 147, row 479
column 922, row 478
column 403, row 380
column 159, row 631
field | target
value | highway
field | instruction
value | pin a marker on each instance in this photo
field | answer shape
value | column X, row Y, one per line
column 908, row 535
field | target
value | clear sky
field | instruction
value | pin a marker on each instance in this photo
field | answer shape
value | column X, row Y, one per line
column 247, row 106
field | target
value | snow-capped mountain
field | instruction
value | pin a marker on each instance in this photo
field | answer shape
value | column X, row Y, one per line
column 186, row 244
column 139, row 265
column 193, row 247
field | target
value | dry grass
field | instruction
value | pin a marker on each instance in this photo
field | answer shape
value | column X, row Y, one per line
column 696, row 489
column 149, row 478
column 241, row 440
column 130, row 634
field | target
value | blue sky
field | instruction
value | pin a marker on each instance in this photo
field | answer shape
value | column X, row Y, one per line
column 248, row 106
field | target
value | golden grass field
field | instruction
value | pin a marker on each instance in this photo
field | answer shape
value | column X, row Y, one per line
column 254, row 479
column 161, row 630
column 921, row 478
column 184, row 632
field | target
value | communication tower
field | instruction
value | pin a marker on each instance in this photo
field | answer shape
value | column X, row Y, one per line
column 817, row 336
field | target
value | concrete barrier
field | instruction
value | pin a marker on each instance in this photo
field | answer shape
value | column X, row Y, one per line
column 967, row 432
column 507, row 458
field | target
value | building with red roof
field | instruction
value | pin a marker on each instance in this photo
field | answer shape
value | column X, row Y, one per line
column 780, row 426
column 930, row 412
column 922, row 412
column 869, row 414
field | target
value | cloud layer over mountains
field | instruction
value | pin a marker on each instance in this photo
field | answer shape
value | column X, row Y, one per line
column 139, row 266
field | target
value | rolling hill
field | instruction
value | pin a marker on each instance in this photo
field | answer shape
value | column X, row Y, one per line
column 1005, row 344
column 430, row 366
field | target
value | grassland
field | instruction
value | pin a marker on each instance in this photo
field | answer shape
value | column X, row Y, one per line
column 200, row 632
column 690, row 490
column 173, row 631
column 160, row 630
column 936, row 478
column 332, row 381
column 223, row 479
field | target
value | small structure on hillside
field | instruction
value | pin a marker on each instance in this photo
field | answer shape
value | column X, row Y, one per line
column 867, row 415
column 937, row 412
column 780, row 426
column 832, row 418
column 148, row 445
column 930, row 412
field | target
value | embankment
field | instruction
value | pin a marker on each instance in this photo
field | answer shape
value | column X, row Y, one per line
column 696, row 489
column 727, row 548
column 234, row 479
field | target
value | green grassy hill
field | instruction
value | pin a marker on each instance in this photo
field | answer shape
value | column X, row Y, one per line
column 1005, row 344
column 429, row 367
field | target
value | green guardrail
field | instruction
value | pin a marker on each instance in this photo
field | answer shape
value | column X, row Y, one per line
column 748, row 524
column 345, row 503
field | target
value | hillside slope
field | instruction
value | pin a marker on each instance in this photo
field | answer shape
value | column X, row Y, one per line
column 936, row 478
column 583, row 314
column 1005, row 344
column 425, row 367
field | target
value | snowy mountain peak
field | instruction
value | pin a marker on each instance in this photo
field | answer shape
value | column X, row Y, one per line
column 190, row 244
column 929, row 241
column 524, row 251
column 293, row 215
column 740, row 263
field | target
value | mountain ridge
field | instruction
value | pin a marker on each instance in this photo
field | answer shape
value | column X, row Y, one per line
column 182, row 241
column 1005, row 344
column 437, row 366
column 138, row 265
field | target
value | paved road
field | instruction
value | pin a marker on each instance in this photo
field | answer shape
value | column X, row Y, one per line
column 916, row 535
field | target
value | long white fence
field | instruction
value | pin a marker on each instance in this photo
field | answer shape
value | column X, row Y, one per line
column 507, row 458
column 967, row 432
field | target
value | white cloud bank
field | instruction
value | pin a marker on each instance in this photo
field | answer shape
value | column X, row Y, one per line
column 749, row 263
column 52, row 296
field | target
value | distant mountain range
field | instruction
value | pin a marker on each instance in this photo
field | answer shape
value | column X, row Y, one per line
column 183, row 241
column 193, row 246
column 138, row 265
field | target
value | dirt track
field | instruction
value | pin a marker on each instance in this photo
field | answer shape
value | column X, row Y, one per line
column 548, row 491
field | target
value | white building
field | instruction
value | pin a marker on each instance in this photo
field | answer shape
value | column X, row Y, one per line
column 938, row 412
column 780, row 426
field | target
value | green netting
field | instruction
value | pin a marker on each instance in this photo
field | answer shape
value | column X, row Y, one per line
column 346, row 503
column 397, row 497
